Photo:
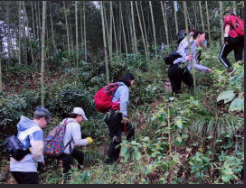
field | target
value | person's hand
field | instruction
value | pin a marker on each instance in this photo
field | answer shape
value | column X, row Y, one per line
column 89, row 139
column 189, row 58
column 43, row 162
column 208, row 70
column 125, row 120
column 226, row 39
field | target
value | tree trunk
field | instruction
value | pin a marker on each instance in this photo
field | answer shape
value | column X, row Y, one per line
column 110, row 31
column 234, row 7
column 209, row 34
column 221, row 24
column 1, row 84
column 39, row 20
column 37, row 24
column 85, row 34
column 153, row 25
column 24, row 39
column 188, row 37
column 77, row 34
column 115, row 37
column 52, row 30
column 175, row 18
column 144, row 26
column 81, row 24
column 164, row 20
column 19, row 32
column 134, row 30
column 200, row 6
column 123, row 28
column 9, row 56
column 140, row 25
column 104, row 43
column 29, row 36
column 33, row 24
column 42, row 53
column 67, row 27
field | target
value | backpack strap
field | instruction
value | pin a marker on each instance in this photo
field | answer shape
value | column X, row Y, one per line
column 69, row 143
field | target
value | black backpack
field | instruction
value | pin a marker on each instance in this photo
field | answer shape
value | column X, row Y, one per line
column 14, row 148
column 171, row 58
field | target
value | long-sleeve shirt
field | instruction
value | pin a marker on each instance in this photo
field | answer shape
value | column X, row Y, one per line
column 184, row 52
column 73, row 132
column 122, row 96
column 30, row 135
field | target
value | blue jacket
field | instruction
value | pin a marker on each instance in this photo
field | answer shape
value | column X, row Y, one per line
column 30, row 135
column 122, row 94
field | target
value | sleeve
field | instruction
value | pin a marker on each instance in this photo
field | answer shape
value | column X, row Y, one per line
column 227, row 21
column 124, row 100
column 37, row 144
column 196, row 66
column 76, row 135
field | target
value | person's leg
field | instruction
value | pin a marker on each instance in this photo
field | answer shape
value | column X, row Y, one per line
column 238, row 50
column 26, row 177
column 226, row 49
column 17, row 179
column 79, row 156
column 174, row 77
column 113, row 120
column 67, row 161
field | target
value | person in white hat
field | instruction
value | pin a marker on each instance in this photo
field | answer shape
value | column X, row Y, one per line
column 73, row 135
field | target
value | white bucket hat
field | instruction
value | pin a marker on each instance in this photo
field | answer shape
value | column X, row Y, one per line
column 80, row 111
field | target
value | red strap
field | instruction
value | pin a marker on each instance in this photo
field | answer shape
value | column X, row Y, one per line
column 125, row 127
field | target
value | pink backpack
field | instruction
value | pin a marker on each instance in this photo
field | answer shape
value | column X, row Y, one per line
column 53, row 143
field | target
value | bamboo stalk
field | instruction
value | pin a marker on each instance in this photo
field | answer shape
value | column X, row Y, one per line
column 165, row 21
column 29, row 36
column 104, row 42
column 9, row 56
column 42, row 53
column 85, row 34
column 52, row 30
column 24, row 40
column 209, row 34
column 19, row 32
column 67, row 28
column 188, row 38
column 175, row 18
column 140, row 25
column 221, row 23
column 200, row 6
column 1, row 83
column 134, row 30
column 110, row 31
column 169, row 128
column 115, row 37
column 81, row 23
column 33, row 28
column 144, row 26
column 153, row 25
column 123, row 28
column 234, row 7
column 77, row 34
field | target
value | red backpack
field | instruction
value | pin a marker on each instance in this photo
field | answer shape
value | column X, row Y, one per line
column 239, row 27
column 103, row 98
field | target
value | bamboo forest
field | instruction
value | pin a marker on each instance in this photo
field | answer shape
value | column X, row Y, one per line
column 177, row 71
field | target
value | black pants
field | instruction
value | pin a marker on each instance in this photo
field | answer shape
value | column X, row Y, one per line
column 113, row 120
column 67, row 159
column 177, row 75
column 236, row 44
column 26, row 177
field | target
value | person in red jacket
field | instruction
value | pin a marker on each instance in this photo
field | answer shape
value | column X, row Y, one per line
column 232, row 41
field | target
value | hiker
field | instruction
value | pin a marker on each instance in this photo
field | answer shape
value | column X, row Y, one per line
column 232, row 40
column 179, row 71
column 73, row 138
column 117, row 118
column 31, row 136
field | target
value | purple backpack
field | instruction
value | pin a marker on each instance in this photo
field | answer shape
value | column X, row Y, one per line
column 53, row 143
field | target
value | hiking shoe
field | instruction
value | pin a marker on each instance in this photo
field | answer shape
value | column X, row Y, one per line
column 231, row 70
column 109, row 161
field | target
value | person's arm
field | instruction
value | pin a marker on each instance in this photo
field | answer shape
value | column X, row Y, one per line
column 37, row 145
column 196, row 66
column 124, row 100
column 76, row 135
